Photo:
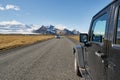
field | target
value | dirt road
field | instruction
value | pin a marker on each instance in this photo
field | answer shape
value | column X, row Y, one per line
column 48, row 60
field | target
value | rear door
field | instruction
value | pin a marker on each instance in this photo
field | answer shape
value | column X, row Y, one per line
column 95, row 64
column 114, row 45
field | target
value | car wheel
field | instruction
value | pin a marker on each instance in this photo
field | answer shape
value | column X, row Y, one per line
column 77, row 71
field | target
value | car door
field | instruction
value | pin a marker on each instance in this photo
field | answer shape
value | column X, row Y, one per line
column 98, row 46
column 114, row 46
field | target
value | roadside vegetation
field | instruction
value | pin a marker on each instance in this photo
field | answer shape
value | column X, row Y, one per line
column 11, row 41
column 75, row 37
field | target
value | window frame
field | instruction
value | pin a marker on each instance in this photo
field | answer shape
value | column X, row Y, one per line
column 92, row 27
column 115, row 15
column 116, row 26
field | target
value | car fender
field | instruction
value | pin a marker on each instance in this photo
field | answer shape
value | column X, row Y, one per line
column 78, row 51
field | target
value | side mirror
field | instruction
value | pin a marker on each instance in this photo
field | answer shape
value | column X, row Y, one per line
column 83, row 37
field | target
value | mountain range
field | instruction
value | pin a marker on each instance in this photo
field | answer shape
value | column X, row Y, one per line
column 53, row 30
column 15, row 27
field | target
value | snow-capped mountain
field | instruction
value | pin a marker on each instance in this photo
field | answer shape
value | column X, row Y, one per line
column 75, row 32
column 42, row 30
column 46, row 30
column 66, row 31
column 53, row 30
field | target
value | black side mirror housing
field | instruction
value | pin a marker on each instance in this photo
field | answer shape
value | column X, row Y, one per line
column 83, row 37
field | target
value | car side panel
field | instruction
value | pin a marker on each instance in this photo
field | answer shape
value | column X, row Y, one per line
column 79, row 52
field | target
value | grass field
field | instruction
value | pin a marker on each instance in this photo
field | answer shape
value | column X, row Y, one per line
column 10, row 41
column 75, row 37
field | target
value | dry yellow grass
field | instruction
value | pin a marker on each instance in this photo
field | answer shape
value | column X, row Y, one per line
column 10, row 41
column 75, row 37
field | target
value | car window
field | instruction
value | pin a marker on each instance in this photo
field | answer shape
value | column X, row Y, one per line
column 98, row 28
column 118, row 29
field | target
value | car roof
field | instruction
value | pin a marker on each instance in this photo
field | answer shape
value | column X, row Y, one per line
column 106, row 7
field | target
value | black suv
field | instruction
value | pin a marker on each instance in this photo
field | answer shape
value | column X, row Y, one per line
column 98, row 55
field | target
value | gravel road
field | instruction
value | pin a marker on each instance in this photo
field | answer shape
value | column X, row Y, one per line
column 48, row 60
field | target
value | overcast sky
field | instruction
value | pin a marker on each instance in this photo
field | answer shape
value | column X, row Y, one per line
column 72, row 14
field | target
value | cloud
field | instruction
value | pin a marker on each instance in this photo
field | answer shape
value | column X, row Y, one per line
column 35, row 27
column 13, row 22
column 2, row 8
column 15, row 27
column 60, row 26
column 9, row 7
column 12, row 7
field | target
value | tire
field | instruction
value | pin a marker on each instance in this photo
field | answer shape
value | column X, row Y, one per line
column 76, row 67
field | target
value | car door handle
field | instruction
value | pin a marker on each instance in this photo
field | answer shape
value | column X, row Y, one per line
column 99, row 54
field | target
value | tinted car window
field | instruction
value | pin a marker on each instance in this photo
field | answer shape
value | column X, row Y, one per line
column 98, row 28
